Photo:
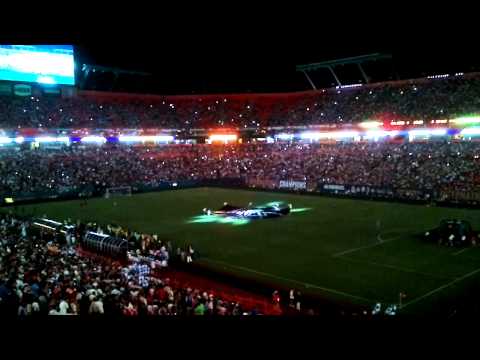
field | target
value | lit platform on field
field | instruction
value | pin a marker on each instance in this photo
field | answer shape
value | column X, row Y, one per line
column 236, row 215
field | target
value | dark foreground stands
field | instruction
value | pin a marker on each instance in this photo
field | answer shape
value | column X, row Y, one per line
column 40, row 276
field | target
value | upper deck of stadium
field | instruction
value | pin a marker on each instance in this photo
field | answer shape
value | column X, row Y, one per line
column 414, row 102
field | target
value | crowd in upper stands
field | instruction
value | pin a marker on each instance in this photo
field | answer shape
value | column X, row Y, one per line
column 414, row 99
column 40, row 275
column 424, row 166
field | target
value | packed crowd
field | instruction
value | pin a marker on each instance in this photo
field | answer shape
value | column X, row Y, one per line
column 40, row 275
column 430, row 166
column 424, row 99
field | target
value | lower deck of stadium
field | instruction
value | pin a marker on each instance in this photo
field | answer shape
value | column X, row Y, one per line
column 355, row 251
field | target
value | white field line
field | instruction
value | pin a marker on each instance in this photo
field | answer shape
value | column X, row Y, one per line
column 399, row 268
column 471, row 258
column 441, row 288
column 380, row 242
column 306, row 285
column 461, row 251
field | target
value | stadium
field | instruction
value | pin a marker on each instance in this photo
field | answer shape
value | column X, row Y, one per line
column 355, row 200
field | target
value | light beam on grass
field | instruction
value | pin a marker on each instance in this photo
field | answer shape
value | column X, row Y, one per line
column 205, row 219
column 297, row 210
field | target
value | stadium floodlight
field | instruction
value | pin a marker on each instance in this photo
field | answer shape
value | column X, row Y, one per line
column 5, row 140
column 427, row 132
column 223, row 137
column 439, row 132
column 419, row 132
column 370, row 124
column 313, row 135
column 284, row 136
column 94, row 139
column 466, row 120
column 144, row 138
column 348, row 86
column 375, row 134
column 129, row 138
column 52, row 139
column 343, row 134
column 471, row 131
column 160, row 138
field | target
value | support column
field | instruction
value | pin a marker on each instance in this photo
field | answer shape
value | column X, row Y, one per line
column 335, row 76
column 365, row 77
column 309, row 80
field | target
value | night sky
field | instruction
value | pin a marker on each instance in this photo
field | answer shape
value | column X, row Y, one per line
column 256, row 51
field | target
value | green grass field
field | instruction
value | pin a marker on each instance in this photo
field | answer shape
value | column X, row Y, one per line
column 331, row 250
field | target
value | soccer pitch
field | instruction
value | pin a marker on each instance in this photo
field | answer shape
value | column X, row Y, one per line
column 331, row 249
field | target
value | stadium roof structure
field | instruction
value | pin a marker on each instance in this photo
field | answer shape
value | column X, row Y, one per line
column 345, row 61
column 87, row 69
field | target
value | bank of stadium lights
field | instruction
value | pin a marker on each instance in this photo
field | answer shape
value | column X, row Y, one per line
column 52, row 139
column 314, row 135
column 377, row 134
column 426, row 133
column 284, row 136
column 470, row 131
column 441, row 76
column 466, row 120
column 370, row 124
column 146, row 138
column 348, row 86
column 93, row 139
column 225, row 138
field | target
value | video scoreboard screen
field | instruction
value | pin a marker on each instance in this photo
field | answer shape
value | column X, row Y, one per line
column 44, row 64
